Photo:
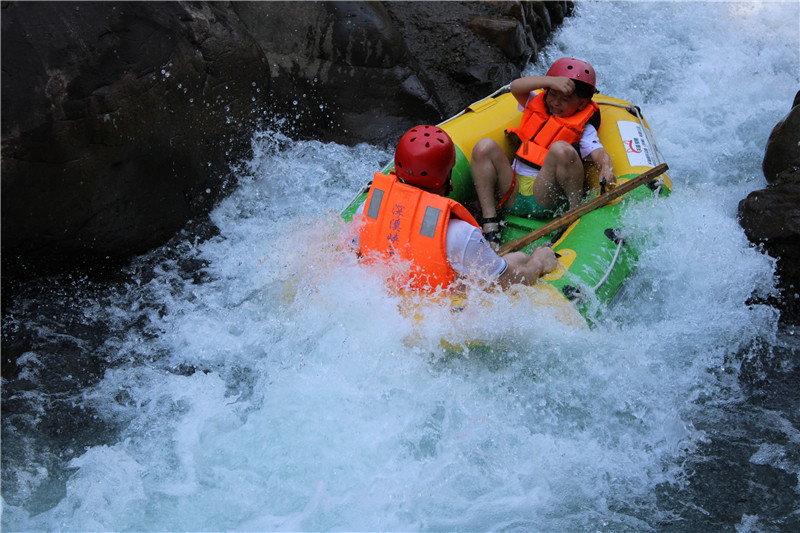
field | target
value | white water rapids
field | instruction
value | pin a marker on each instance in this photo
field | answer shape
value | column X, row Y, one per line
column 278, row 388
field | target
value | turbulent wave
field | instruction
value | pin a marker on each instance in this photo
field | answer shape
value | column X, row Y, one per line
column 251, row 375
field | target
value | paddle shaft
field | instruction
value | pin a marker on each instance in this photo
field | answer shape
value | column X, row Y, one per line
column 575, row 214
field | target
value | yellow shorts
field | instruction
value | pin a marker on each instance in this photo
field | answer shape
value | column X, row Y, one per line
column 526, row 205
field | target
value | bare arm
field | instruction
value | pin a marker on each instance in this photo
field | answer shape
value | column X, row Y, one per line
column 603, row 161
column 527, row 269
column 521, row 87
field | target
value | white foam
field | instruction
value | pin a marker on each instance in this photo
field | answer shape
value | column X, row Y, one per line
column 288, row 392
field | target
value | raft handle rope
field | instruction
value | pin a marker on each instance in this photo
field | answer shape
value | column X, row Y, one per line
column 620, row 242
column 574, row 293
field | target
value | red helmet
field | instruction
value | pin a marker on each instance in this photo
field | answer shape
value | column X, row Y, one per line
column 574, row 69
column 424, row 157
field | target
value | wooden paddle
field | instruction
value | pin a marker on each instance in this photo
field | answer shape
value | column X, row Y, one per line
column 575, row 214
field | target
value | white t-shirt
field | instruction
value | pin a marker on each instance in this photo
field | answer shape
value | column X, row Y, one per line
column 590, row 142
column 467, row 251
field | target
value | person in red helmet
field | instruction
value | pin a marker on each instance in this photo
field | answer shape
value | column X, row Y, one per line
column 407, row 216
column 557, row 132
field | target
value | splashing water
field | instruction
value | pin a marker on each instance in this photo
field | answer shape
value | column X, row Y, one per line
column 259, row 378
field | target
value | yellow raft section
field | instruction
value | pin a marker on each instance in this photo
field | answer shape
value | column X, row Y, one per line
column 540, row 302
column 629, row 144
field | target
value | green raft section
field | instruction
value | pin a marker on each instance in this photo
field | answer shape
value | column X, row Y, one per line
column 595, row 257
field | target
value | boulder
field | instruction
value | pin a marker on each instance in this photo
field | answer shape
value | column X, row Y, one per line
column 782, row 146
column 119, row 123
column 340, row 71
column 771, row 216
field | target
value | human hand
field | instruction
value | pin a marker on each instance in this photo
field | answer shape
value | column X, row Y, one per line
column 605, row 167
column 562, row 84
column 544, row 258
column 609, row 178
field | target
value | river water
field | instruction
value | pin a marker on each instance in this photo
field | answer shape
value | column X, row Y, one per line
column 252, row 376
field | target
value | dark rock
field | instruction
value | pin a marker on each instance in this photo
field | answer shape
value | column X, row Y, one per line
column 120, row 120
column 367, row 71
column 771, row 216
column 507, row 33
column 341, row 71
column 469, row 49
column 782, row 146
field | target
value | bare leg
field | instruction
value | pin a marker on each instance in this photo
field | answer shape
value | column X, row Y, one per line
column 562, row 174
column 492, row 175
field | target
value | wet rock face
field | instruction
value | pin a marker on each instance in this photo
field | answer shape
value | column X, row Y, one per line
column 771, row 216
column 120, row 120
column 783, row 148
column 340, row 70
column 116, row 122
column 367, row 71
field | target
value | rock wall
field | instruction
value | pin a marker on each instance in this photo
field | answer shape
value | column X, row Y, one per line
column 771, row 216
column 120, row 120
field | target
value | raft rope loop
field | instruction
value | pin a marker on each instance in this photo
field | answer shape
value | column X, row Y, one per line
column 611, row 266
column 635, row 111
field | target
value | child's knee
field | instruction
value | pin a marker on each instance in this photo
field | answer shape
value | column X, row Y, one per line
column 563, row 151
column 483, row 149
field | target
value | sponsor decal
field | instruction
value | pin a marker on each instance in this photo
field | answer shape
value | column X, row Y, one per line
column 637, row 147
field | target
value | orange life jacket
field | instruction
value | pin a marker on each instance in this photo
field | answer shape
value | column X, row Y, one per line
column 538, row 130
column 406, row 222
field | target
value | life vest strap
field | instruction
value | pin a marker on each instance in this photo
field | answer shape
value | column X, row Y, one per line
column 510, row 190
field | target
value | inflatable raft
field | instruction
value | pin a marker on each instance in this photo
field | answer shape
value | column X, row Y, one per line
column 595, row 258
